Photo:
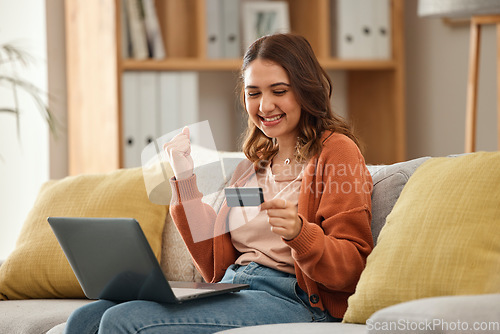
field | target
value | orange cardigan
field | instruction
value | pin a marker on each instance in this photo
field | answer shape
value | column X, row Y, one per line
column 335, row 207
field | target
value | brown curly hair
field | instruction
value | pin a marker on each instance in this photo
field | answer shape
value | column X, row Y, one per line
column 312, row 88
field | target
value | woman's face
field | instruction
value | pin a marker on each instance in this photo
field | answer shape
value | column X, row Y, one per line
column 270, row 101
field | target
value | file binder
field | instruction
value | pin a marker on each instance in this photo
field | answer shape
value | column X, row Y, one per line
column 169, row 107
column 382, row 30
column 188, row 95
column 130, row 126
column 154, row 104
column 214, row 29
column 147, row 114
column 178, row 100
column 231, row 29
column 365, row 29
column 348, row 23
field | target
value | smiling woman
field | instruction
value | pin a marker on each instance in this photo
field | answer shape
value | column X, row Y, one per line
column 271, row 104
column 303, row 249
column 310, row 86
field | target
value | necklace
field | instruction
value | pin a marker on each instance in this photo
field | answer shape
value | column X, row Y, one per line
column 287, row 161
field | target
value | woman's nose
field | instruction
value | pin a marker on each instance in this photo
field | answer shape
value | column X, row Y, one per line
column 266, row 104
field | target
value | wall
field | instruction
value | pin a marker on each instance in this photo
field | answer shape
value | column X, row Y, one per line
column 436, row 77
column 24, row 160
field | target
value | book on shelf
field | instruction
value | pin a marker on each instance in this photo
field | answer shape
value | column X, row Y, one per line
column 141, row 33
column 135, row 22
column 126, row 44
column 153, row 31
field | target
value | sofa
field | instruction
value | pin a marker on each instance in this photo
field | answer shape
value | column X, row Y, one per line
column 438, row 309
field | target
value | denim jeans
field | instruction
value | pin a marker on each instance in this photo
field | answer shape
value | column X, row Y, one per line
column 273, row 297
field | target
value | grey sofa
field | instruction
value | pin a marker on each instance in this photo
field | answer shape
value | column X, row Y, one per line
column 49, row 316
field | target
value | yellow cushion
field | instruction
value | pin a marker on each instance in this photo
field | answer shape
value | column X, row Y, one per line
column 38, row 268
column 441, row 238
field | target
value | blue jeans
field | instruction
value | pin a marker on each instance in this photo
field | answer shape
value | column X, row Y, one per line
column 273, row 297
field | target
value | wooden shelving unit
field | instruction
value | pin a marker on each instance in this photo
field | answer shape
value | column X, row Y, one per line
column 186, row 64
column 94, row 66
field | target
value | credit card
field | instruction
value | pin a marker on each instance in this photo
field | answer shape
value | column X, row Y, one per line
column 241, row 196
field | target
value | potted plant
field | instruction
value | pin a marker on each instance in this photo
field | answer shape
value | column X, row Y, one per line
column 11, row 57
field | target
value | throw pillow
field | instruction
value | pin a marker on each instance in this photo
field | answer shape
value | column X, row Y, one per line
column 388, row 182
column 440, row 239
column 38, row 268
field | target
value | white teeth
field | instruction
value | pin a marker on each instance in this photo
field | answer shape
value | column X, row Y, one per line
column 273, row 118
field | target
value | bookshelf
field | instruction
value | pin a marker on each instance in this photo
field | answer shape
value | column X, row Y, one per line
column 375, row 96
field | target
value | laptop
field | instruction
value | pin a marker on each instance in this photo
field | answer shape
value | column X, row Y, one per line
column 112, row 260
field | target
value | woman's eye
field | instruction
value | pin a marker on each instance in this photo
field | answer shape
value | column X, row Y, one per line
column 280, row 92
column 252, row 94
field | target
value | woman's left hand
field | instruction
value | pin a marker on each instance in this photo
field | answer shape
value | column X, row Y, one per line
column 283, row 218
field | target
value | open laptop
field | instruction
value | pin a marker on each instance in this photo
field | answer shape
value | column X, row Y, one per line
column 112, row 260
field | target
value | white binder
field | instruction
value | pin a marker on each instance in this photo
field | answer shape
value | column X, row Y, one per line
column 169, row 107
column 130, row 126
column 382, row 29
column 366, row 28
column 188, row 95
column 148, row 108
column 231, row 29
column 363, row 29
column 214, row 29
column 348, row 29
column 178, row 100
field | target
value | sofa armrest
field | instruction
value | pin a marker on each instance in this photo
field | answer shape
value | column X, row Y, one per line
column 448, row 314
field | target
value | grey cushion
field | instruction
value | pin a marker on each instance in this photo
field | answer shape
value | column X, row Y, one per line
column 439, row 315
column 388, row 182
column 301, row 328
column 36, row 315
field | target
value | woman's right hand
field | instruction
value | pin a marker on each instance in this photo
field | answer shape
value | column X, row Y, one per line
column 178, row 151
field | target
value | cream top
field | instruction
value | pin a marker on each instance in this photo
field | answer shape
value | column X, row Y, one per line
column 250, row 231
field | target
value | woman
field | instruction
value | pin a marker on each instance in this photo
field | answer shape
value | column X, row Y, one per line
column 302, row 253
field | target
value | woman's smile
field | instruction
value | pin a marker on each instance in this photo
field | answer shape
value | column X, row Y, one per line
column 271, row 120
